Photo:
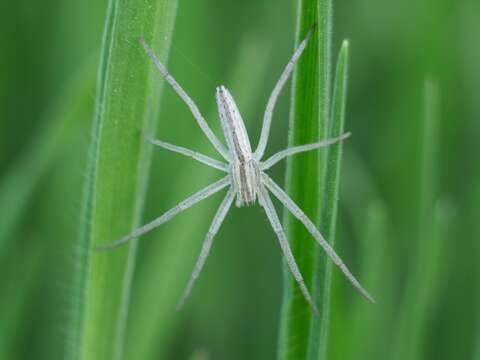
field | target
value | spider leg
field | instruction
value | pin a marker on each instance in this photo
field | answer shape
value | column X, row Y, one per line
column 272, row 215
column 272, row 160
column 207, row 244
column 191, row 105
column 300, row 215
column 182, row 206
column 204, row 159
column 267, row 117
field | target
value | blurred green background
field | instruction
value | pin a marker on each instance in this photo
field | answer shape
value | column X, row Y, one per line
column 408, row 222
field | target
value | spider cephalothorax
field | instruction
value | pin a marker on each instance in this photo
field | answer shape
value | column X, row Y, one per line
column 244, row 169
column 246, row 177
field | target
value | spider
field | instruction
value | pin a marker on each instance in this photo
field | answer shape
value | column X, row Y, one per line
column 245, row 176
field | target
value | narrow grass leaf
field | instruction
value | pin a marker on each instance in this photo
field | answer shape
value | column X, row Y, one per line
column 308, row 123
column 369, row 322
column 424, row 278
column 323, row 274
column 127, row 102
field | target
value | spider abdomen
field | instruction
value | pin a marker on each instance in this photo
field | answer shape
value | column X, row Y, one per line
column 245, row 181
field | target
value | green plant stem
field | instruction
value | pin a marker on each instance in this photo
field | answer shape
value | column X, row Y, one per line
column 127, row 102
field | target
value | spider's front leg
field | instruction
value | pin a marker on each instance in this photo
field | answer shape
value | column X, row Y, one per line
column 187, row 100
column 267, row 117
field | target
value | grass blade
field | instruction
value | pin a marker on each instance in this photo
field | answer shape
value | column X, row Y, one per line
column 127, row 102
column 424, row 279
column 366, row 322
column 323, row 273
column 308, row 123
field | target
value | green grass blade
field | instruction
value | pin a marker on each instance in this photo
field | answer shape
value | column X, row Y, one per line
column 429, row 150
column 323, row 273
column 127, row 102
column 308, row 123
column 367, row 322
column 426, row 271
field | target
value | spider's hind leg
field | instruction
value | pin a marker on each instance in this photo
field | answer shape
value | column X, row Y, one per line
column 312, row 229
column 207, row 244
column 272, row 215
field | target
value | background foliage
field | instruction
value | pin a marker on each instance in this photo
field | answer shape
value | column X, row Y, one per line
column 409, row 198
